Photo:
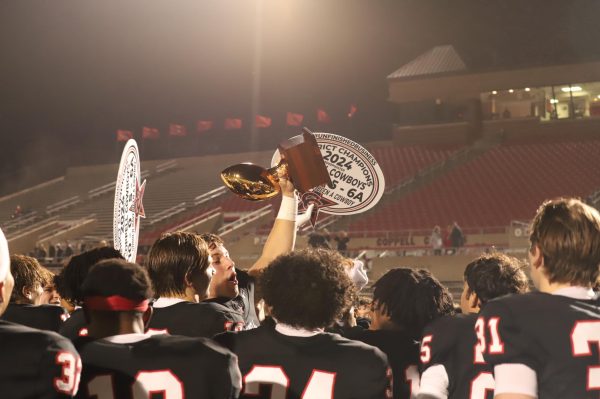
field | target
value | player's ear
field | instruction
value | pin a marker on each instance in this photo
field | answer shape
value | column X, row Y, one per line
column 474, row 301
column 147, row 316
column 187, row 279
column 537, row 258
column 26, row 292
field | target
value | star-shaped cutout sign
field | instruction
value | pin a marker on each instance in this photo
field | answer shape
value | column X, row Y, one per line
column 318, row 200
column 138, row 206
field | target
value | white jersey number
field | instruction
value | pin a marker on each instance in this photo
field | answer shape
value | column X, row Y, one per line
column 319, row 386
column 146, row 384
column 584, row 334
column 70, row 364
column 481, row 385
column 413, row 379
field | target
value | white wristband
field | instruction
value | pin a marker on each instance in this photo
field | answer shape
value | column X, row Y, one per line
column 288, row 208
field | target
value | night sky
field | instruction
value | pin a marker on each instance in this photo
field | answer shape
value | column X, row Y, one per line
column 74, row 71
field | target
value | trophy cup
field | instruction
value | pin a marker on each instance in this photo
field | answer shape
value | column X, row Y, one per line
column 301, row 162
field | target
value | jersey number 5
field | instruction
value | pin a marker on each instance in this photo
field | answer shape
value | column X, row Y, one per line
column 319, row 386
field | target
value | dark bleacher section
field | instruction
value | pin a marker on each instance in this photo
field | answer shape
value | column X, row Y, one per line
column 507, row 183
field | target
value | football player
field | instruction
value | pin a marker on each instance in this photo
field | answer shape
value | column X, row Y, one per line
column 404, row 301
column 451, row 357
column 121, row 362
column 26, row 301
column 35, row 363
column 180, row 269
column 234, row 287
column 69, row 286
column 545, row 344
column 305, row 292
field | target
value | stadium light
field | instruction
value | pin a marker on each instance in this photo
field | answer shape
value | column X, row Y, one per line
column 571, row 89
column 511, row 91
column 527, row 89
column 495, row 92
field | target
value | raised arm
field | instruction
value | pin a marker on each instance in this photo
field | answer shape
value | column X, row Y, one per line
column 282, row 237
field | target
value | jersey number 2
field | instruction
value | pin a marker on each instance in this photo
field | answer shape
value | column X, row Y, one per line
column 319, row 386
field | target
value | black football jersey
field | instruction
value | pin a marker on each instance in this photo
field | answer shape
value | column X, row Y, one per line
column 451, row 342
column 325, row 365
column 174, row 366
column 403, row 355
column 36, row 364
column 244, row 302
column 43, row 317
column 194, row 319
column 75, row 326
column 556, row 336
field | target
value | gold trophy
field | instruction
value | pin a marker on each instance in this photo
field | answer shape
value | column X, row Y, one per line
column 301, row 162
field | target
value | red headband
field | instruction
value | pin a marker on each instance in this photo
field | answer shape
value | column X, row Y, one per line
column 115, row 303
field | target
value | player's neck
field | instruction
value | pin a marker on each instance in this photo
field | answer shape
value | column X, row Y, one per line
column 187, row 296
column 126, row 325
column 549, row 288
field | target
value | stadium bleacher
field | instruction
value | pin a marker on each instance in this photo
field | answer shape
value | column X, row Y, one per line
column 506, row 183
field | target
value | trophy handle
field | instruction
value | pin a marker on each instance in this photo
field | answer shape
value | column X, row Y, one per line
column 278, row 171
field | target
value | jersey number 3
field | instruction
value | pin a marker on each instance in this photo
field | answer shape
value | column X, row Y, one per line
column 582, row 336
column 319, row 386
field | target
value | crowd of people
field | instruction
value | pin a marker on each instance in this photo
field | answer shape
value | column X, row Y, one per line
column 191, row 324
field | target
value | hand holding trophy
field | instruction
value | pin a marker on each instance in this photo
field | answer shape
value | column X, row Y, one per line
column 301, row 162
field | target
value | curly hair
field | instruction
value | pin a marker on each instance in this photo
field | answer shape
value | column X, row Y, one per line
column 28, row 273
column 495, row 274
column 172, row 257
column 567, row 232
column 308, row 288
column 411, row 298
column 72, row 275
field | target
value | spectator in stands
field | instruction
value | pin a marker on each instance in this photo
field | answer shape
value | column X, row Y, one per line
column 319, row 239
column 27, row 298
column 69, row 284
column 342, row 240
column 457, row 238
column 17, row 212
column 235, row 288
column 435, row 240
column 59, row 252
column 51, row 251
column 68, row 250
column 39, row 252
